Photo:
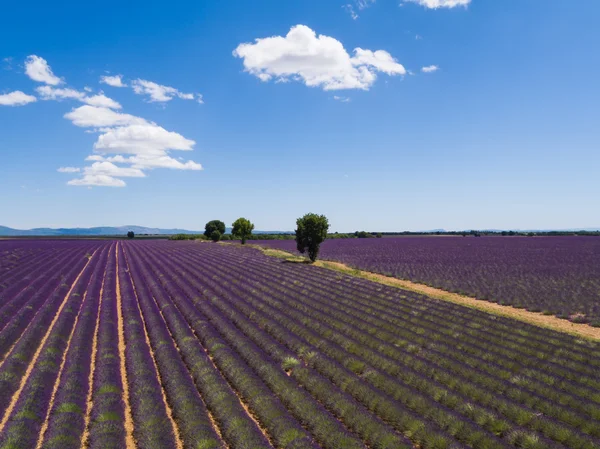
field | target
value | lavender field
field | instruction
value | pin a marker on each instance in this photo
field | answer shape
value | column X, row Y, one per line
column 159, row 344
column 555, row 275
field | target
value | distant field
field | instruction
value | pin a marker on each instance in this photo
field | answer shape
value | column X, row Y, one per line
column 159, row 344
column 555, row 275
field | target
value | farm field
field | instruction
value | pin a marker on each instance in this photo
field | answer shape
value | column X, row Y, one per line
column 555, row 275
column 161, row 344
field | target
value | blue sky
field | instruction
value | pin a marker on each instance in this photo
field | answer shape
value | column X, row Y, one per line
column 500, row 131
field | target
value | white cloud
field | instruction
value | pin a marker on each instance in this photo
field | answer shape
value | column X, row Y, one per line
column 52, row 93
column 87, row 89
column 135, row 144
column 100, row 100
column 106, row 174
column 185, row 96
column 317, row 61
column 148, row 139
column 435, row 4
column 110, row 169
column 38, row 69
column 342, row 99
column 98, row 117
column 158, row 92
column 103, row 101
column 351, row 11
column 362, row 4
column 97, row 180
column 430, row 69
column 379, row 60
column 114, row 81
column 68, row 170
column 163, row 161
column 16, row 98
column 95, row 157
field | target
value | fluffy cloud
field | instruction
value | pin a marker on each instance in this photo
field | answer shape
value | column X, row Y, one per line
column 435, row 4
column 16, row 98
column 148, row 139
column 68, row 170
column 106, row 174
column 158, row 92
column 99, row 117
column 317, row 61
column 97, row 180
column 145, row 145
column 110, row 169
column 114, row 81
column 103, row 101
column 162, row 161
column 127, row 145
column 38, row 69
column 430, row 69
column 52, row 93
column 100, row 100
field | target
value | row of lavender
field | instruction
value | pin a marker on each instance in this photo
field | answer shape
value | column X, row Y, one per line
column 554, row 275
column 371, row 365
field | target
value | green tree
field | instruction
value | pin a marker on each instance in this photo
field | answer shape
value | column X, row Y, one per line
column 310, row 233
column 214, row 225
column 242, row 228
column 130, row 235
column 215, row 235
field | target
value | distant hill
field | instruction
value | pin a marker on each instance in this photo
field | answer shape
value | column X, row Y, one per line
column 103, row 230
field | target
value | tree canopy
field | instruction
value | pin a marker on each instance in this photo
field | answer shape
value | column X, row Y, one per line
column 214, row 225
column 130, row 235
column 215, row 236
column 242, row 228
column 310, row 233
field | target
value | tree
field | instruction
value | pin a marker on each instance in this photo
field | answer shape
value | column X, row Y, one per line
column 130, row 235
column 242, row 228
column 214, row 225
column 310, row 233
column 215, row 236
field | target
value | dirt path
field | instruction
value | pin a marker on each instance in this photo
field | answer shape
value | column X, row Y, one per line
column 38, row 351
column 176, row 432
column 537, row 319
column 129, row 440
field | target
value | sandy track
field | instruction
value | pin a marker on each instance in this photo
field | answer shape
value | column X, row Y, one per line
column 129, row 440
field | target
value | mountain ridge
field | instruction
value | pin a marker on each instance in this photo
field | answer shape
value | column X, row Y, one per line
column 5, row 231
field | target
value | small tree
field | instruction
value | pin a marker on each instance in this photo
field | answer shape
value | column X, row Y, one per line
column 242, row 228
column 214, row 225
column 130, row 235
column 215, row 236
column 310, row 233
